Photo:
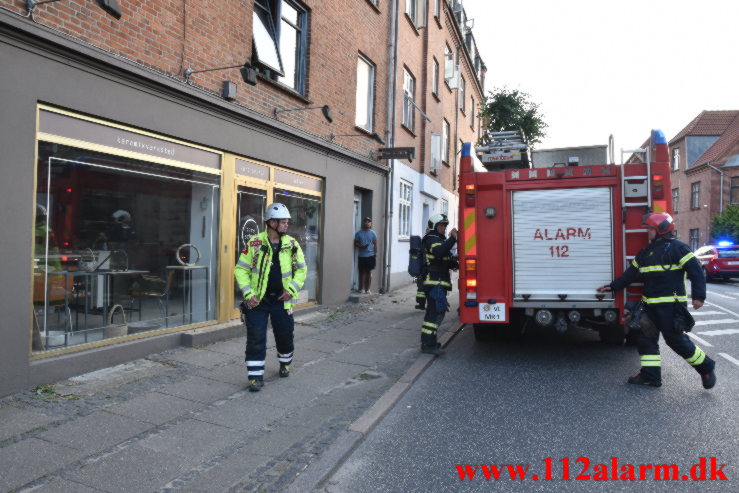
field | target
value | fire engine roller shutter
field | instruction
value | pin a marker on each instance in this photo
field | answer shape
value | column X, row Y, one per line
column 562, row 242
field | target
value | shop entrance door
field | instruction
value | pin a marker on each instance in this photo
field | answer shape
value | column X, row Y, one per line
column 250, row 205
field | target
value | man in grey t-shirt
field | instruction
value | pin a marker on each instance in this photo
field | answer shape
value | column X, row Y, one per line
column 366, row 241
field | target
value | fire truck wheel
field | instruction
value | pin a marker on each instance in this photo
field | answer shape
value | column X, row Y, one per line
column 612, row 334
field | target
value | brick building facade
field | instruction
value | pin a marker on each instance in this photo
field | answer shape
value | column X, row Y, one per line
column 141, row 146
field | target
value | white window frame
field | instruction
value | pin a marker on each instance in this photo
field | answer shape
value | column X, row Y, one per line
column 446, row 129
column 675, row 158
column 675, row 199
column 445, row 207
column 409, row 91
column 472, row 113
column 448, row 62
column 436, row 152
column 416, row 11
column 365, row 94
column 462, row 93
column 435, row 77
column 437, row 9
column 695, row 195
column 694, row 238
column 405, row 216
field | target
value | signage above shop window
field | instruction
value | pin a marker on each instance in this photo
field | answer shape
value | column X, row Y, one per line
column 253, row 170
column 295, row 180
column 61, row 125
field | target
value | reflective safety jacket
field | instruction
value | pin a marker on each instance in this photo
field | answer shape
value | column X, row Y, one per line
column 252, row 269
column 663, row 265
column 438, row 260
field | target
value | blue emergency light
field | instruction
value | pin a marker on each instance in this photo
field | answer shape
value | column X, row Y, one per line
column 725, row 243
column 467, row 149
column 658, row 137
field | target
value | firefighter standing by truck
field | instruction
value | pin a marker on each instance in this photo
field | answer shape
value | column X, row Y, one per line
column 437, row 280
column 270, row 272
column 663, row 264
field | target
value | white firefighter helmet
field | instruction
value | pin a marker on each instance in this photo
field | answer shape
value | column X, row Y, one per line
column 276, row 211
column 437, row 219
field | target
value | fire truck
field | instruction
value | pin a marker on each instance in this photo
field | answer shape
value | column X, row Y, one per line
column 535, row 243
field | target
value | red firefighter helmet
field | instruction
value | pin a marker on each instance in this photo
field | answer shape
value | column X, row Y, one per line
column 661, row 221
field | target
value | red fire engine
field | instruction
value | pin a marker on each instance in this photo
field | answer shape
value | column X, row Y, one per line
column 535, row 243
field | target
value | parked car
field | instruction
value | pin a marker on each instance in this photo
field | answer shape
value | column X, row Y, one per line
column 719, row 261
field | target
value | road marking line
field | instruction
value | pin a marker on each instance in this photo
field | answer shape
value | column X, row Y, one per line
column 702, row 341
column 714, row 293
column 696, row 312
column 715, row 322
column 733, row 360
column 724, row 309
column 719, row 332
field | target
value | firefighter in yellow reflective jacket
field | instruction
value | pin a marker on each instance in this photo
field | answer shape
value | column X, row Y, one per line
column 437, row 280
column 270, row 272
column 663, row 265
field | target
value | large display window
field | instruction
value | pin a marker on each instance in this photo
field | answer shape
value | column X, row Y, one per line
column 122, row 246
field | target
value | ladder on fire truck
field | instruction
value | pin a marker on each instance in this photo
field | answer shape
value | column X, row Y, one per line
column 638, row 191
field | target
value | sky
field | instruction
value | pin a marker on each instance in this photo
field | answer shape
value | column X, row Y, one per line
column 621, row 67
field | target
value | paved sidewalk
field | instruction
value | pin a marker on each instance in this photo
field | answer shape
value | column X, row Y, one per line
column 182, row 420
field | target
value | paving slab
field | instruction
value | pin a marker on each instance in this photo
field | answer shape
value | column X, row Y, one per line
column 233, row 347
column 192, row 439
column 30, row 459
column 221, row 475
column 199, row 389
column 201, row 358
column 60, row 485
column 96, row 432
column 16, row 421
column 244, row 414
column 154, row 407
column 134, row 468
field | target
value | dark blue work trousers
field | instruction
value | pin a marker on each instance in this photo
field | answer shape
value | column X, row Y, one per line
column 283, row 327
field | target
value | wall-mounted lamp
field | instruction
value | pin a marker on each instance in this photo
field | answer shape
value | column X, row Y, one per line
column 229, row 90
column 248, row 73
column 324, row 109
column 111, row 7
column 373, row 135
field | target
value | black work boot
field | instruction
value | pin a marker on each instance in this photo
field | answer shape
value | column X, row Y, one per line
column 642, row 380
column 434, row 349
column 255, row 385
column 709, row 380
column 284, row 370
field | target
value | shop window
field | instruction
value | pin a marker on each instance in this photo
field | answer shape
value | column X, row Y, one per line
column 250, row 206
column 117, row 236
column 305, row 227
column 280, row 41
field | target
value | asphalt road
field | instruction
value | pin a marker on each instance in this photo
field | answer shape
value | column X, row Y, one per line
column 565, row 398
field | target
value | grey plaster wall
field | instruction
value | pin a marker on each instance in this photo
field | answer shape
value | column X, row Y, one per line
column 38, row 72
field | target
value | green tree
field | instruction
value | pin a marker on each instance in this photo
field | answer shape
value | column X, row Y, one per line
column 726, row 224
column 510, row 109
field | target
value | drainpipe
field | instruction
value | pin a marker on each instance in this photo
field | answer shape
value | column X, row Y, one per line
column 721, row 190
column 392, row 68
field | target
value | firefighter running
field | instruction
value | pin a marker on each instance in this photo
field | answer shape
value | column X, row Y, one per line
column 663, row 265
column 437, row 281
column 270, row 272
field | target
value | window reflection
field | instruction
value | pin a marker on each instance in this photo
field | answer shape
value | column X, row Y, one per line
column 109, row 244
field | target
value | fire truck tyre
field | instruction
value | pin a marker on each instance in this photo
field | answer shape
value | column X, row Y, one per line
column 613, row 334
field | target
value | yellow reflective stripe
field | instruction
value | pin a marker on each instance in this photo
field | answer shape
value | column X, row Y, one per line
column 664, row 299
column 697, row 358
column 434, row 245
column 429, row 282
column 687, row 257
column 659, row 268
column 431, row 324
column 420, row 294
column 470, row 231
column 650, row 360
column 635, row 263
